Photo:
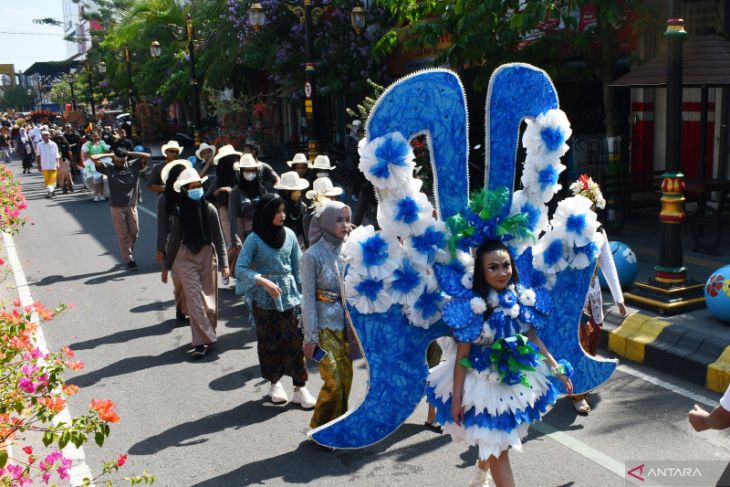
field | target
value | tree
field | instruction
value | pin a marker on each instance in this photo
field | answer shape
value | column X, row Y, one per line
column 16, row 98
column 482, row 33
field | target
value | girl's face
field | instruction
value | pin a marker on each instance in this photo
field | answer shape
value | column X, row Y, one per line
column 301, row 170
column 207, row 154
column 280, row 216
column 497, row 269
column 343, row 227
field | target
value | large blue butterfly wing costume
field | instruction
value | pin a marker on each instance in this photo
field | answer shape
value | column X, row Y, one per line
column 433, row 102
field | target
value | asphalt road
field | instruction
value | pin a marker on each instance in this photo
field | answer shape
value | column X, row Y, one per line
column 204, row 423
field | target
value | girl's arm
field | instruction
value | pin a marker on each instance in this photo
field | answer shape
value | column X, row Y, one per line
column 457, row 410
column 549, row 359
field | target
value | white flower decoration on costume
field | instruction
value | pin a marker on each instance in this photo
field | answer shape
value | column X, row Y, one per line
column 467, row 280
column 371, row 253
column 550, row 255
column 528, row 297
column 387, row 161
column 367, row 294
column 425, row 248
column 407, row 283
column 427, row 308
column 536, row 211
column 546, row 135
column 575, row 222
column 540, row 177
column 478, row 306
column 493, row 299
column 405, row 215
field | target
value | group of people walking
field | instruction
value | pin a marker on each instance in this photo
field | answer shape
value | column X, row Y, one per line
column 281, row 237
column 232, row 214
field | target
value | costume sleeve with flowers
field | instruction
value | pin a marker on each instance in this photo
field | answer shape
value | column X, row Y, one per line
column 410, row 283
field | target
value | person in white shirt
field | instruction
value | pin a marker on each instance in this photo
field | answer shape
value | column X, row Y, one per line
column 35, row 135
column 49, row 158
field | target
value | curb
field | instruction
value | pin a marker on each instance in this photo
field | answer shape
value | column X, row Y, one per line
column 674, row 348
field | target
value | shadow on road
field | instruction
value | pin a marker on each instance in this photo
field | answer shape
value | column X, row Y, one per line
column 245, row 414
column 158, row 329
column 309, row 463
column 130, row 365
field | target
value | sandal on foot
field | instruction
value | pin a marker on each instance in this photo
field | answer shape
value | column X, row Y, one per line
column 581, row 406
column 436, row 428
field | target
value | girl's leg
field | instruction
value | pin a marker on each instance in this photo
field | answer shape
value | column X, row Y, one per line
column 502, row 470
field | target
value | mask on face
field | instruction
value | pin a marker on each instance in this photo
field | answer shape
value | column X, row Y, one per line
column 296, row 195
column 323, row 174
column 195, row 194
column 249, row 176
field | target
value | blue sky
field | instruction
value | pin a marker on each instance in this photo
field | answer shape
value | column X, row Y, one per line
column 24, row 50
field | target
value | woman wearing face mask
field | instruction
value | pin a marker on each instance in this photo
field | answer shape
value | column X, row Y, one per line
column 290, row 188
column 167, row 209
column 220, row 189
column 268, row 272
column 195, row 248
column 323, row 313
column 243, row 197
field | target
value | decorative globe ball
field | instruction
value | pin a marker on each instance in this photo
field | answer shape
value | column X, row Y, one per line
column 627, row 266
column 717, row 293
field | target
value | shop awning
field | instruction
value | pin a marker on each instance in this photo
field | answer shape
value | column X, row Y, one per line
column 706, row 61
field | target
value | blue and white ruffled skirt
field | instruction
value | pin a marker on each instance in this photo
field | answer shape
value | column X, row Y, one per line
column 496, row 415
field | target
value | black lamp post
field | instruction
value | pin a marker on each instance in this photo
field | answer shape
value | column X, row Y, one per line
column 308, row 15
column 156, row 50
column 670, row 291
column 70, row 78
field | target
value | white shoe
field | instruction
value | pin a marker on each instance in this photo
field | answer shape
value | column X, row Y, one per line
column 304, row 398
column 277, row 393
column 482, row 478
column 95, row 197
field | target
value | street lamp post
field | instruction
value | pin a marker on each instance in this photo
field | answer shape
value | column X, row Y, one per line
column 156, row 50
column 308, row 15
column 130, row 89
column 670, row 291
column 73, row 90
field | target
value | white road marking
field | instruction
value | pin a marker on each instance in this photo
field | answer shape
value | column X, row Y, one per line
column 149, row 212
column 611, row 464
column 668, row 386
column 79, row 469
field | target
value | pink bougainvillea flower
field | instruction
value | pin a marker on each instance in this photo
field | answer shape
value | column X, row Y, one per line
column 121, row 460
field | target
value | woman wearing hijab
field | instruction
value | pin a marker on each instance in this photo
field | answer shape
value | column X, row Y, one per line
column 323, row 313
column 268, row 272
column 225, row 180
column 249, row 188
column 195, row 248
column 167, row 209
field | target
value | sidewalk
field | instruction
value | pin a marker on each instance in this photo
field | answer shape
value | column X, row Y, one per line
column 694, row 345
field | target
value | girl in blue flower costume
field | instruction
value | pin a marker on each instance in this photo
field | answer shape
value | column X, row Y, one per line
column 500, row 377
column 451, row 269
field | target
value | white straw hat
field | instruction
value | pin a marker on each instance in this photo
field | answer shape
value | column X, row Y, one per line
column 323, row 186
column 203, row 147
column 171, row 144
column 247, row 161
column 226, row 150
column 323, row 163
column 298, row 159
column 292, row 182
column 188, row 176
column 168, row 167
